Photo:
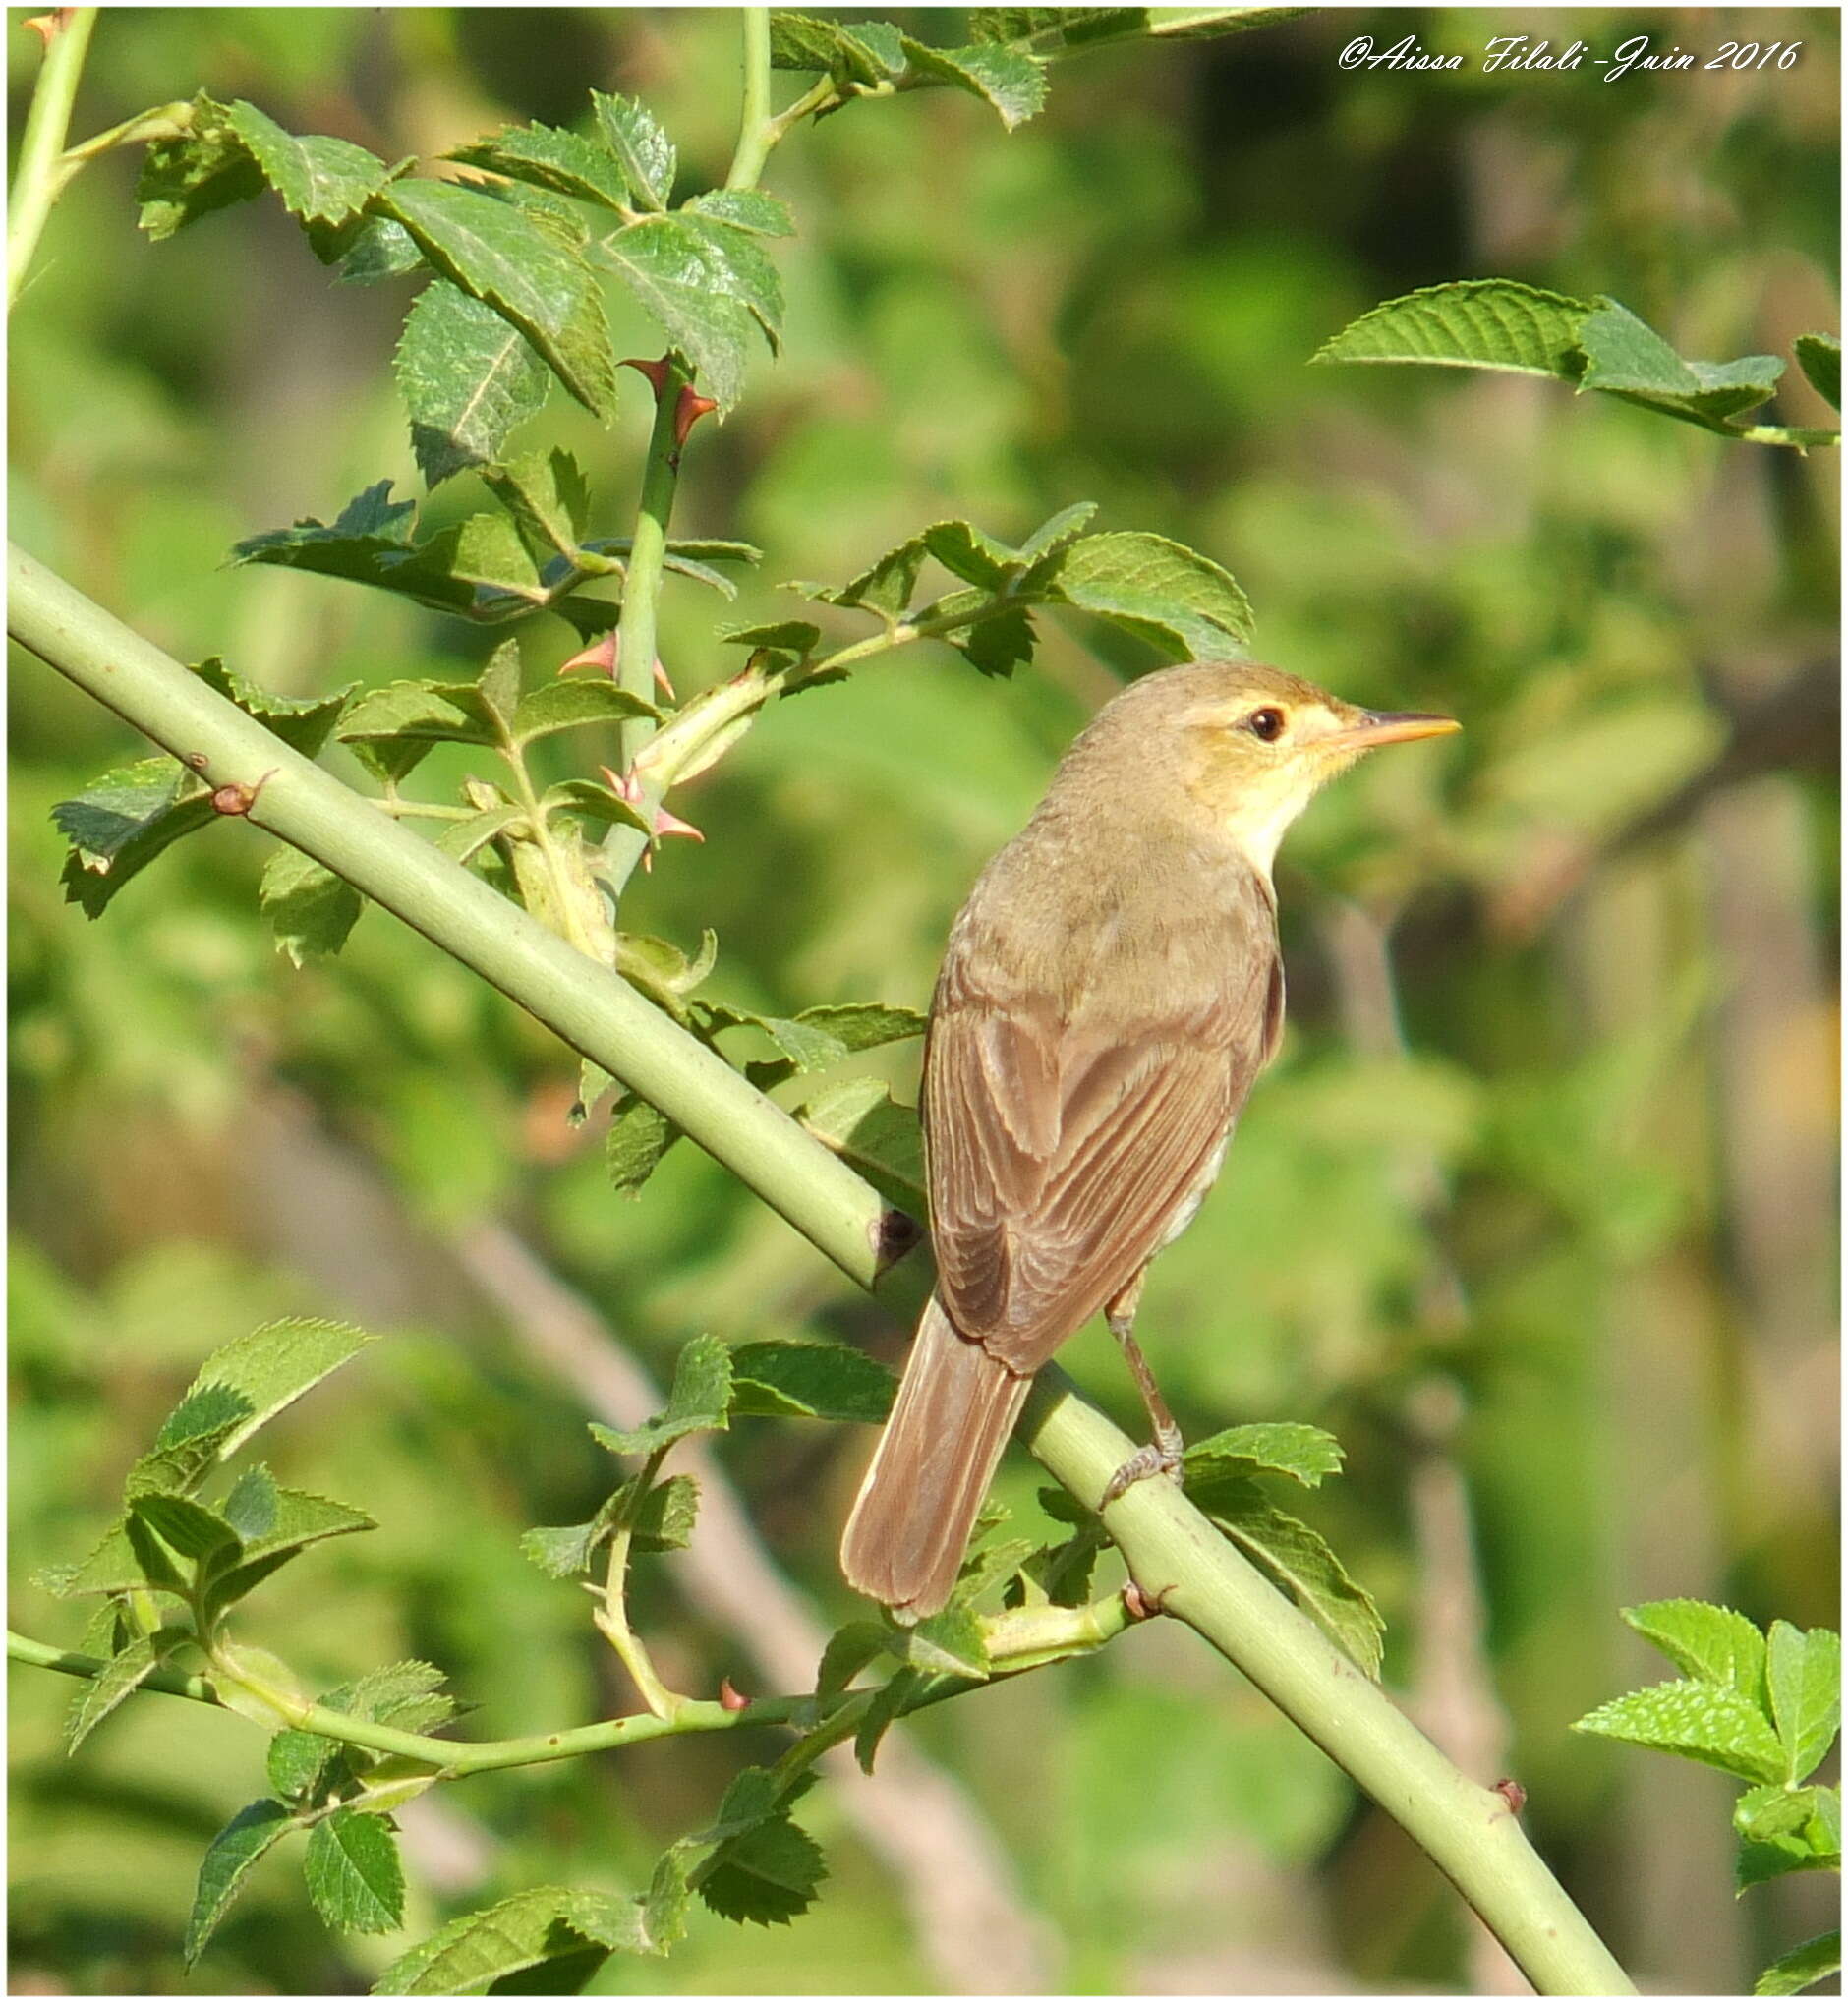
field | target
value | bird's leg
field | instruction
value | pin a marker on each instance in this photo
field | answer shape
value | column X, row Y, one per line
column 1163, row 1455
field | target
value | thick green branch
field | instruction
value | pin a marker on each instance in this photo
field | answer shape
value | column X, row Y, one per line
column 36, row 181
column 1174, row 1555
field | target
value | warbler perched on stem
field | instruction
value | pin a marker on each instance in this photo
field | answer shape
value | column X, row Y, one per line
column 1111, row 990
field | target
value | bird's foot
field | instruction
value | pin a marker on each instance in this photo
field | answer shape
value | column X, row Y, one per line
column 1161, row 1457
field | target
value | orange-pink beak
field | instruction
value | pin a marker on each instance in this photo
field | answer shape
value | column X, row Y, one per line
column 1391, row 726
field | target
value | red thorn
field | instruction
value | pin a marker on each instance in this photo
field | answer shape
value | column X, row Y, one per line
column 662, row 683
column 729, row 1700
column 604, row 654
column 47, row 27
column 625, row 785
column 1513, row 1793
column 670, row 824
column 656, row 372
column 688, row 412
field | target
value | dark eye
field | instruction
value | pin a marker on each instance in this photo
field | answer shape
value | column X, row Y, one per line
column 1266, row 724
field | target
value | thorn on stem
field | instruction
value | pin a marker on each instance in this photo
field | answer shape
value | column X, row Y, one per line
column 1142, row 1606
column 688, row 412
column 656, row 372
column 1513, row 1793
column 237, row 798
column 605, row 655
column 892, row 1235
column 47, row 27
column 729, row 1700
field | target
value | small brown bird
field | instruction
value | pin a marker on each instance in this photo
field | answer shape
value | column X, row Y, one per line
column 1111, row 990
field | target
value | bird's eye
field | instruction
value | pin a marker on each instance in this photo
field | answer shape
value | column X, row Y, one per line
column 1266, row 724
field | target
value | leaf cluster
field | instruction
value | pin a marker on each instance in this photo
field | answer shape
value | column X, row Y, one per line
column 1766, row 1708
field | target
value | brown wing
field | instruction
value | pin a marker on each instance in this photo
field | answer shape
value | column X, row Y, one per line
column 1062, row 1147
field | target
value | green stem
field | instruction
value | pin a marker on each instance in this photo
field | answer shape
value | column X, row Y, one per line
column 36, row 179
column 613, row 1616
column 754, row 140
column 1173, row 1554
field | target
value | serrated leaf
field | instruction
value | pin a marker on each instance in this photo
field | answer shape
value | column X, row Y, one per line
column 297, row 1764
column 320, row 179
column 495, row 252
column 1474, row 323
column 297, row 1519
column 861, row 1123
column 1306, row 1454
column 121, row 821
column 640, row 1134
column 1703, row 1721
column 420, row 713
column 853, row 52
column 1713, row 1643
column 810, row 1380
column 1007, row 79
column 794, row 636
column 303, row 722
column 1803, row 1673
column 1818, row 356
column 669, row 1895
column 767, row 1875
column 966, row 552
column 1802, row 1968
column 573, row 704
column 696, row 1404
column 275, row 1364
column 549, row 499
column 948, row 1644
column 362, row 543
column 1630, row 359
column 849, row 1651
column 1168, row 594
column 564, row 1550
column 998, row 645
column 407, row 1694
column 189, row 1441
column 596, row 803
column 547, row 156
column 479, row 566
column 95, row 1699
column 245, row 1838
column 113, row 1565
column 1056, row 532
column 310, row 909
column 382, row 249
column 542, row 1929
column 353, row 1873
column 643, row 150
column 884, row 587
column 1300, row 1558
column 882, row 1713
column 460, row 839
column 467, row 379
column 183, row 179
column 746, row 208
column 252, row 1504
column 679, row 281
column 667, row 1516
column 743, row 272
column 186, row 1526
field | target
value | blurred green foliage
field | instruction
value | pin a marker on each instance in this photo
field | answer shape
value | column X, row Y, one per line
column 1571, row 1257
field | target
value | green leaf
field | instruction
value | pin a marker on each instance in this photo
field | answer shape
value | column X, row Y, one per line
column 852, row 52
column 595, row 803
column 660, row 1517
column 696, row 1404
column 320, row 180
column 669, row 1896
column 948, row 1644
column 495, row 252
column 549, row 499
column 247, row 1837
column 1703, row 1721
column 1786, row 1829
column 998, row 645
column 310, row 909
column 186, row 1526
column 183, row 179
column 644, row 152
column 746, row 208
column 479, row 567
column 572, row 703
column 303, row 722
column 681, row 282
column 665, row 1516
column 1802, row 1968
column 460, row 839
column 793, row 636
column 296, row 1520
column 882, row 1713
column 1306, row 1454
column 819, row 1038
column 408, row 715
column 1631, row 360
column 810, row 1380
column 1008, row 79
column 639, row 1136
column 298, row 1763
column 1476, row 323
column 467, row 379
column 1055, row 533
column 765, row 1874
column 552, row 1929
column 188, row 1442
column 562, row 1551
column 966, row 552
column 382, row 249
column 97, row 1698
column 1308, row 1570
column 744, row 273
column 363, row 544
column 1169, row 594
column 120, row 822
column 546, row 156
column 849, row 1651
column 276, row 1364
column 860, row 1121
column 353, row 1873
column 112, row 1566
column 1713, row 1643
column 1818, row 356
column 407, row 1694
column 884, row 587
column 1803, row 1672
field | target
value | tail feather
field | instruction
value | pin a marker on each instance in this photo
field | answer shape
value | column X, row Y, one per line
column 911, row 1524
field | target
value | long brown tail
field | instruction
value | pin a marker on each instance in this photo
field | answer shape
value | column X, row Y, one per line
column 912, row 1520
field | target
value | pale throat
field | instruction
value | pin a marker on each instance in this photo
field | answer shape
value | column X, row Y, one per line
column 1263, row 816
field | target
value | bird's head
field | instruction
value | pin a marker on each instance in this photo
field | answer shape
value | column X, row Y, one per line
column 1256, row 744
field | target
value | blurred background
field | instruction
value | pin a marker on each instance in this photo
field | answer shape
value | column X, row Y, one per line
column 1536, row 1211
